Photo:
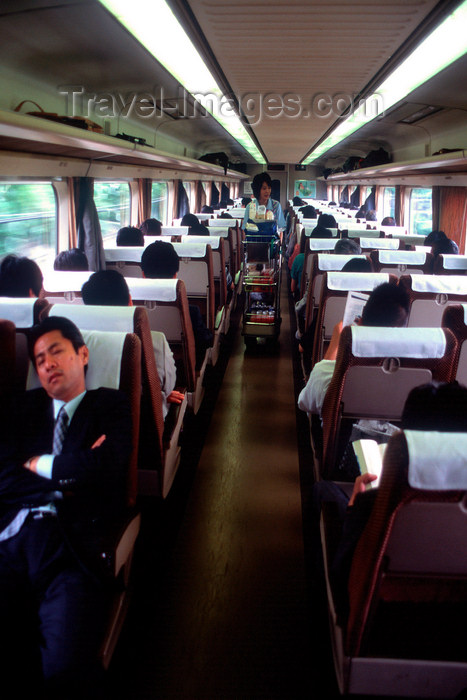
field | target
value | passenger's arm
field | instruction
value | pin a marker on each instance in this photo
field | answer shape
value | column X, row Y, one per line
column 311, row 398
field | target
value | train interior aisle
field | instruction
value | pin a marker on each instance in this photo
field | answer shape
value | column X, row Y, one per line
column 221, row 609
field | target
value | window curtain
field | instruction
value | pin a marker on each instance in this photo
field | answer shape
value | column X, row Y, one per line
column 378, row 197
column 200, row 196
column 370, row 203
column 225, row 192
column 329, row 193
column 87, row 223
column 72, row 237
column 453, row 213
column 355, row 197
column 399, row 209
column 182, row 203
column 144, row 199
column 214, row 195
column 344, row 195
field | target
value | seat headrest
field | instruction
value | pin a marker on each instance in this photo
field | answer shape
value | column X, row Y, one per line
column 335, row 262
column 356, row 281
column 322, row 243
column 213, row 241
column 104, row 318
column 377, row 243
column 440, row 284
column 190, row 249
column 105, row 360
column 401, row 257
column 422, row 249
column 59, row 281
column 455, row 262
column 19, row 311
column 172, row 231
column 152, row 290
column 437, row 461
column 124, row 253
column 368, row 341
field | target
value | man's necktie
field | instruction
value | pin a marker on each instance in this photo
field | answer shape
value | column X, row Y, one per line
column 60, row 428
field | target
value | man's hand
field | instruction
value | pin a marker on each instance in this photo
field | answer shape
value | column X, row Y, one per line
column 31, row 464
column 175, row 397
column 360, row 485
column 98, row 442
column 331, row 352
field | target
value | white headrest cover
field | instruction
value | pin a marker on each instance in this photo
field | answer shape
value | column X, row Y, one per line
column 152, row 290
column 124, row 254
column 401, row 257
column 58, row 281
column 422, row 249
column 376, row 243
column 437, row 461
column 455, row 262
column 104, row 318
column 20, row 311
column 191, row 249
column 322, row 243
column 172, row 231
column 330, row 261
column 213, row 241
column 223, row 223
column 370, row 341
column 465, row 313
column 356, row 281
column 105, row 359
column 440, row 284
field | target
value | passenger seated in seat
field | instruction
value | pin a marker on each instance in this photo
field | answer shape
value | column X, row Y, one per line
column 60, row 487
column 434, row 236
column 347, row 246
column 444, row 246
column 388, row 221
column 189, row 220
column 327, row 221
column 151, row 227
column 198, row 230
column 160, row 261
column 131, row 236
column 20, row 277
column 109, row 288
column 71, row 260
column 206, row 209
column 435, row 406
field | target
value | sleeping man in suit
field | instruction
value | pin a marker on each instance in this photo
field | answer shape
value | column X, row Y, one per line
column 63, row 460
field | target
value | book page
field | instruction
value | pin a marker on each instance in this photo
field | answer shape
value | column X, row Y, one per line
column 354, row 307
column 370, row 458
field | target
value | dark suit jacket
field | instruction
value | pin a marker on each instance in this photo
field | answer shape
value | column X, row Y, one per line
column 93, row 481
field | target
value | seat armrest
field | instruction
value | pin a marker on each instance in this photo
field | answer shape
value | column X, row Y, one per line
column 117, row 550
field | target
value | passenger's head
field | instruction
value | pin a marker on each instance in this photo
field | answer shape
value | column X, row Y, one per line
column 198, row 230
column 130, row 235
column 245, row 201
column 189, row 220
column 20, row 277
column 60, row 356
column 160, row 261
column 370, row 215
column 388, row 305
column 106, row 288
column 308, row 212
column 436, row 406
column 298, row 202
column 444, row 246
column 327, row 220
column 206, row 209
column 347, row 246
column 434, row 236
column 321, row 232
column 388, row 221
column 151, row 227
column 71, row 260
column 229, row 201
column 357, row 265
column 261, row 186
column 225, row 215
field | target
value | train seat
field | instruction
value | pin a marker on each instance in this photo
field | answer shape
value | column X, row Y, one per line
column 405, row 629
column 170, row 231
column 159, row 449
column 387, row 363
column 399, row 262
column 167, row 304
column 115, row 362
column 334, row 292
column 379, row 243
column 59, row 286
column 408, row 239
column 7, row 360
column 125, row 259
column 359, row 232
column 455, row 318
column 431, row 294
column 450, row 265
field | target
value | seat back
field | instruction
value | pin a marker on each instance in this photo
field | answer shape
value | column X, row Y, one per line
column 7, row 360
column 367, row 243
column 450, row 265
column 375, row 370
column 126, row 259
column 411, row 555
column 399, row 262
column 197, row 272
column 59, row 286
column 430, row 295
column 455, row 318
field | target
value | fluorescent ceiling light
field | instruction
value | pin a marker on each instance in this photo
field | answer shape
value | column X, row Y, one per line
column 443, row 46
column 154, row 25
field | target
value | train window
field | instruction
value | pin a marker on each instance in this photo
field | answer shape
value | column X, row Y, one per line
column 159, row 196
column 389, row 201
column 420, row 210
column 113, row 206
column 28, row 220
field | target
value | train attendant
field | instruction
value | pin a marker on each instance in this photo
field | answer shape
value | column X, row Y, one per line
column 261, row 187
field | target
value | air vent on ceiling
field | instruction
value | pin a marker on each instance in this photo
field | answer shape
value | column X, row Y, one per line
column 276, row 166
column 420, row 114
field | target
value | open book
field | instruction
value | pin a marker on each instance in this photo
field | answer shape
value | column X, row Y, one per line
column 354, row 307
column 370, row 458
